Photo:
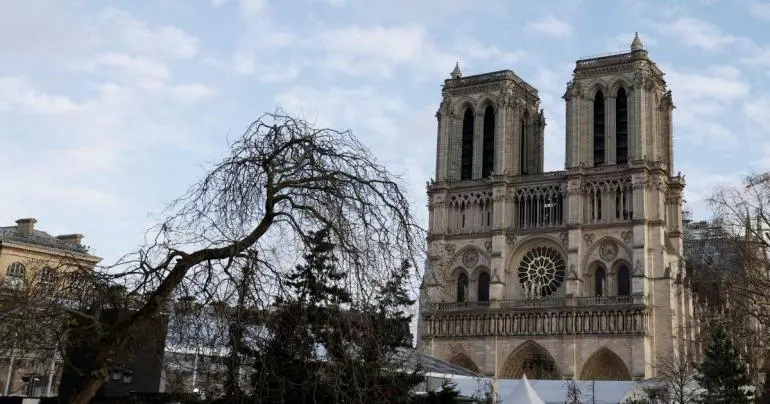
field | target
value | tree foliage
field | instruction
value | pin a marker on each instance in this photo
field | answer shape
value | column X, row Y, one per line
column 231, row 236
column 721, row 373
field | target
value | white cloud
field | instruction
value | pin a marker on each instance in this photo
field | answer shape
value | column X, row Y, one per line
column 758, row 110
column 135, row 66
column 252, row 8
column 551, row 26
column 760, row 10
column 698, row 33
column 161, row 41
column 703, row 99
column 722, row 83
column 16, row 95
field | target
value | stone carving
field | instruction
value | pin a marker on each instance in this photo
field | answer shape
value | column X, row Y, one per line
column 488, row 245
column 450, row 248
column 495, row 276
column 506, row 97
column 608, row 250
column 510, row 238
column 564, row 237
column 589, row 238
column 627, row 236
column 638, row 268
column 470, row 258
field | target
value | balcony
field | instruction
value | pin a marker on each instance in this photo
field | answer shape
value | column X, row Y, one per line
column 546, row 303
column 613, row 315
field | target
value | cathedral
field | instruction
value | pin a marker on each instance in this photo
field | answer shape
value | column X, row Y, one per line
column 565, row 274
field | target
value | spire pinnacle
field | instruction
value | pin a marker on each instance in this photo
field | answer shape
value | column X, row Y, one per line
column 456, row 73
column 636, row 44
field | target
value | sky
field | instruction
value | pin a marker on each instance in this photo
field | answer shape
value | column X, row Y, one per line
column 110, row 110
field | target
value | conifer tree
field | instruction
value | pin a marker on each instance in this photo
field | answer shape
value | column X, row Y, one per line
column 721, row 374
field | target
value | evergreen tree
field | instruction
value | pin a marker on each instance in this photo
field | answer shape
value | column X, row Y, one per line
column 721, row 373
column 324, row 348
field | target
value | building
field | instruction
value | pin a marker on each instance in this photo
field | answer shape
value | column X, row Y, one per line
column 30, row 259
column 566, row 274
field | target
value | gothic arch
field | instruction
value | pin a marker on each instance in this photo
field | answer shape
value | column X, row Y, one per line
column 622, row 247
column 617, row 84
column 595, row 88
column 592, row 269
column 478, row 271
column 605, row 365
column 622, row 280
column 457, row 259
column 462, row 104
column 528, row 243
column 531, row 359
column 464, row 361
column 483, row 103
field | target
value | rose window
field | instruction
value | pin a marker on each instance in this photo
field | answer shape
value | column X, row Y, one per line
column 541, row 271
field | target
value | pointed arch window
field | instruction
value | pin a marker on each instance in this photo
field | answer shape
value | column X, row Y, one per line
column 488, row 145
column 621, row 111
column 624, row 281
column 482, row 289
column 600, row 280
column 599, row 129
column 462, row 288
column 466, row 157
column 524, row 145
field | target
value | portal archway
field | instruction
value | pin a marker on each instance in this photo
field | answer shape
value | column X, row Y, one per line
column 604, row 365
column 531, row 359
column 464, row 361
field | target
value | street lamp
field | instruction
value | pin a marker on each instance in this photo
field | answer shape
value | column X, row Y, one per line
column 539, row 362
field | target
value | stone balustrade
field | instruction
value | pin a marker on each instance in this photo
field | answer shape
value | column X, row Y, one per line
column 564, row 321
column 513, row 304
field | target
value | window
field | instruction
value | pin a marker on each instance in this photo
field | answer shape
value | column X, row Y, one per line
column 600, row 279
column 621, row 138
column 599, row 129
column 16, row 270
column 624, row 281
column 462, row 288
column 488, row 146
column 47, row 275
column 466, row 158
column 524, row 144
column 482, row 291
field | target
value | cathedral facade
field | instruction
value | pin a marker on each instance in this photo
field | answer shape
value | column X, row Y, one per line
column 566, row 274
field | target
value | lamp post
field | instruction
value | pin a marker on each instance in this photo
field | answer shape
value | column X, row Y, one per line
column 539, row 362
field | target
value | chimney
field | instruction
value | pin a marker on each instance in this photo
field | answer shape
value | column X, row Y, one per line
column 73, row 239
column 26, row 226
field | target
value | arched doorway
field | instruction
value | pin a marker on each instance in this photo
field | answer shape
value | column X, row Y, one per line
column 604, row 365
column 464, row 361
column 530, row 359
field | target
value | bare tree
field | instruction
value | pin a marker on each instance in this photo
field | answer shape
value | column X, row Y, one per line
column 282, row 179
column 743, row 213
column 677, row 373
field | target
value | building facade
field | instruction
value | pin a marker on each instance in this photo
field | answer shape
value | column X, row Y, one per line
column 31, row 261
column 565, row 274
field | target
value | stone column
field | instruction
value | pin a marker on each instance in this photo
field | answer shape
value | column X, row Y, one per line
column 610, row 130
column 478, row 143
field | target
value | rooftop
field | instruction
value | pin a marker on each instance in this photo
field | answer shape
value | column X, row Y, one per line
column 25, row 233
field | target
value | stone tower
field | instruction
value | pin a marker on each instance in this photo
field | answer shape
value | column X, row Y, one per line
column 574, row 273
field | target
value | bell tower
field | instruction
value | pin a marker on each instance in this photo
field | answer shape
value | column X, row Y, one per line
column 619, row 111
column 488, row 124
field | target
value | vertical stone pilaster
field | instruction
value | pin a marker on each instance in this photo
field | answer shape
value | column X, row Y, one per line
column 610, row 140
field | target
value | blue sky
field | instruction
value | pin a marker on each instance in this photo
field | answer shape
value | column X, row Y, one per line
column 108, row 110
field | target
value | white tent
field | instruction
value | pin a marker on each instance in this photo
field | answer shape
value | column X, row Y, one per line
column 523, row 394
